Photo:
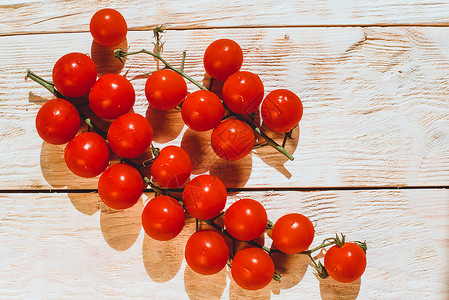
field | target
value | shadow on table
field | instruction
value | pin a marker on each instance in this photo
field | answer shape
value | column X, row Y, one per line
column 54, row 169
column 234, row 174
column 275, row 159
column 167, row 125
column 163, row 259
column 331, row 289
column 105, row 60
column 199, row 287
column 120, row 228
column 86, row 203
column 292, row 268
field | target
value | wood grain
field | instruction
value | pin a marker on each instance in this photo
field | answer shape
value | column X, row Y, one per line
column 71, row 246
column 375, row 105
column 31, row 17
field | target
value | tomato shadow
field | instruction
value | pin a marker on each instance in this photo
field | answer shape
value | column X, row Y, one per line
column 167, row 125
column 86, row 203
column 55, row 170
column 204, row 287
column 163, row 259
column 272, row 157
column 214, row 85
column 234, row 174
column 197, row 145
column 238, row 293
column 292, row 268
column 330, row 289
column 120, row 228
column 105, row 60
column 35, row 99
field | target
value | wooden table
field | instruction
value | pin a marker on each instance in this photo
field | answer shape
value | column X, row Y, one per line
column 371, row 153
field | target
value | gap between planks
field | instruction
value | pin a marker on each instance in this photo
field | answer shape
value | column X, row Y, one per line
column 185, row 28
column 233, row 190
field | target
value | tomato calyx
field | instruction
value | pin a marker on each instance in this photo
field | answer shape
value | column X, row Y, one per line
column 338, row 241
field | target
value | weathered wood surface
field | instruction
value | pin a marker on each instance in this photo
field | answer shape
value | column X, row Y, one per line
column 71, row 246
column 373, row 77
column 29, row 17
column 375, row 105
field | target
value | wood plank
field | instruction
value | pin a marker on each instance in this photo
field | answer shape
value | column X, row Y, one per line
column 71, row 246
column 375, row 106
column 24, row 17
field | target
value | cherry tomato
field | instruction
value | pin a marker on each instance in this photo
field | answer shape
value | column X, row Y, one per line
column 108, row 27
column 346, row 263
column 204, row 197
column 243, row 92
column 202, row 110
column 246, row 219
column 232, row 139
column 252, row 268
column 87, row 155
column 222, row 58
column 120, row 186
column 293, row 233
column 172, row 168
column 111, row 96
column 206, row 252
column 130, row 135
column 163, row 218
column 57, row 121
column 281, row 110
column 165, row 89
column 74, row 74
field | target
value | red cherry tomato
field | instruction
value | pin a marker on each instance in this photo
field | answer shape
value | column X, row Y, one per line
column 172, row 168
column 130, row 135
column 204, row 197
column 57, row 121
column 108, row 27
column 281, row 110
column 163, row 218
column 346, row 263
column 165, row 89
column 222, row 58
column 232, row 139
column 202, row 110
column 206, row 252
column 246, row 219
column 74, row 74
column 111, row 96
column 87, row 155
column 293, row 233
column 243, row 92
column 252, row 268
column 120, row 186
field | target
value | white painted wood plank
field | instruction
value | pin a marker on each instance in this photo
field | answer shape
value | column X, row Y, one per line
column 375, row 105
column 68, row 246
column 68, row 16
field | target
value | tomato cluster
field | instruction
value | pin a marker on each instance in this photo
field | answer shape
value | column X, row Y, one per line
column 130, row 135
column 243, row 94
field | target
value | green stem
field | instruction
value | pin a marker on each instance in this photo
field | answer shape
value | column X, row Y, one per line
column 270, row 224
column 324, row 244
column 50, row 87
column 183, row 60
column 270, row 142
column 252, row 243
column 318, row 267
column 46, row 84
column 120, row 54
